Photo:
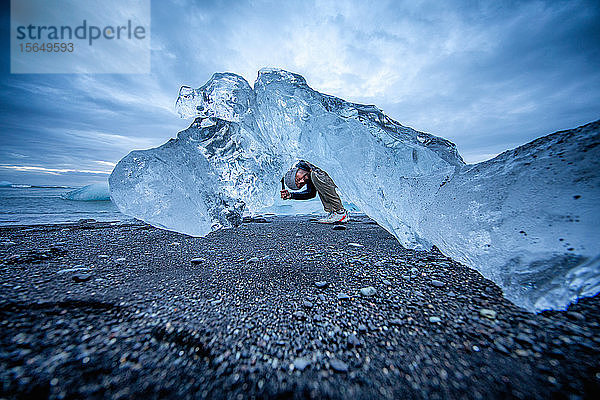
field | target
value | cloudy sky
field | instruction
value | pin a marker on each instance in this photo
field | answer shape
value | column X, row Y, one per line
column 488, row 75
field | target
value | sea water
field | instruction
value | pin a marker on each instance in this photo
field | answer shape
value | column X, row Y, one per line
column 31, row 205
column 34, row 205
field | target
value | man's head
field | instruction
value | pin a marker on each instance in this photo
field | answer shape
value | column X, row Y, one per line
column 296, row 178
column 302, row 177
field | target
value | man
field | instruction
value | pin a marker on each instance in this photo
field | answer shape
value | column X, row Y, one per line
column 316, row 181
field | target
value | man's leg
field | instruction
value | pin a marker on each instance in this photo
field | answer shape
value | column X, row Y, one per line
column 326, row 189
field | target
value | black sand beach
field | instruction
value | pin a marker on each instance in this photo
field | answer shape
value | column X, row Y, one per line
column 100, row 310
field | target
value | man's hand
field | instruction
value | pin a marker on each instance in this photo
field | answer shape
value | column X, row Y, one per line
column 285, row 195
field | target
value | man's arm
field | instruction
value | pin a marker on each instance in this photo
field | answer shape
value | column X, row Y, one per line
column 309, row 193
column 284, row 192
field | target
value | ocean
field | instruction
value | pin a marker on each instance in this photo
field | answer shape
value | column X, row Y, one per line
column 33, row 205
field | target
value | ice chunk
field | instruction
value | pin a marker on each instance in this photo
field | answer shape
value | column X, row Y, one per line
column 526, row 219
column 226, row 96
column 93, row 192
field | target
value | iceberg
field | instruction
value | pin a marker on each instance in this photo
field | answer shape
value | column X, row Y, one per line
column 526, row 219
column 93, row 192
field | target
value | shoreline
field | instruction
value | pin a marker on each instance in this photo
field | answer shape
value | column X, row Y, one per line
column 114, row 309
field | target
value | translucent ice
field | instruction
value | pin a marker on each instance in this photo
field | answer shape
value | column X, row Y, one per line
column 526, row 219
column 93, row 192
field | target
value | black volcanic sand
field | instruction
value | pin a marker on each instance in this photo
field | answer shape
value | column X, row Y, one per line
column 140, row 320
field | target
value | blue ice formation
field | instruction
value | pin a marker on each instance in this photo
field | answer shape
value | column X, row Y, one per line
column 93, row 192
column 527, row 219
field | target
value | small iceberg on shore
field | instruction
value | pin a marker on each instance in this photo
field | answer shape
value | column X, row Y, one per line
column 93, row 192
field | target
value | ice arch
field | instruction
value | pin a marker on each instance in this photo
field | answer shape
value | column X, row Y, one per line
column 526, row 219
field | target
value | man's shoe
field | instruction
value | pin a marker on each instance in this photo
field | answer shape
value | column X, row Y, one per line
column 327, row 219
column 339, row 217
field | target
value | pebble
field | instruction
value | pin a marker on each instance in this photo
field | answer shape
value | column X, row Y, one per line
column 301, row 363
column 355, row 245
column 307, row 304
column 353, row 341
column 252, row 260
column 343, row 296
column 437, row 283
column 298, row 235
column 74, row 269
column 257, row 218
column 379, row 264
column 368, row 291
column 339, row 228
column 386, row 282
column 321, row 284
column 13, row 258
column 487, row 313
column 523, row 338
column 435, row 319
column 505, row 342
column 396, row 321
column 575, row 315
column 338, row 366
column 82, row 277
column 501, row 348
column 362, row 328
column 300, row 315
column 197, row 260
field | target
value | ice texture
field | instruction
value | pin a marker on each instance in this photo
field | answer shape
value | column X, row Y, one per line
column 527, row 219
column 93, row 192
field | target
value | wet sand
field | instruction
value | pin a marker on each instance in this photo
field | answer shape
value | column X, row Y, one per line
column 271, row 310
